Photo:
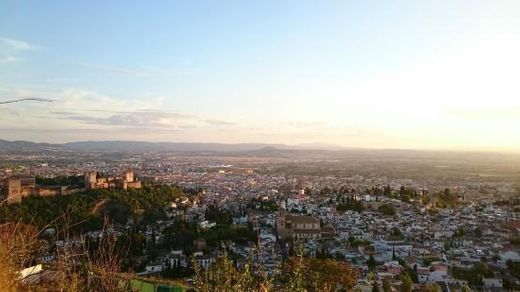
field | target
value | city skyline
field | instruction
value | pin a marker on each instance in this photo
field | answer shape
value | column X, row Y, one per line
column 388, row 75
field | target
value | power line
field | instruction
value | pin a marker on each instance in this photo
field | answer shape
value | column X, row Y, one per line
column 27, row 99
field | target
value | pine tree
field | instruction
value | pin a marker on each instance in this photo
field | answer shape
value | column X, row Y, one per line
column 387, row 287
column 406, row 285
column 371, row 263
column 375, row 287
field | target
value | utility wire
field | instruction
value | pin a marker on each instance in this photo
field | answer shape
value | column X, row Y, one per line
column 27, row 99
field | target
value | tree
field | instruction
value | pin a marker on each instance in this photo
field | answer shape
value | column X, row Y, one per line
column 447, row 245
column 387, row 191
column 375, row 287
column 295, row 276
column 431, row 287
column 350, row 204
column 478, row 232
column 406, row 283
column 387, row 209
column 217, row 215
column 387, row 287
column 317, row 274
column 475, row 275
column 224, row 276
column 371, row 263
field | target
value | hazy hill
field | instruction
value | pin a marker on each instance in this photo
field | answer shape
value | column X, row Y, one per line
column 140, row 146
column 26, row 146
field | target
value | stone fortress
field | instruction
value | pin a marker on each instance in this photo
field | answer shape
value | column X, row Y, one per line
column 94, row 181
column 19, row 187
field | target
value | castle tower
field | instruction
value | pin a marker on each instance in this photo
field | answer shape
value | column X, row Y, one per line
column 14, row 188
column 129, row 176
column 90, row 179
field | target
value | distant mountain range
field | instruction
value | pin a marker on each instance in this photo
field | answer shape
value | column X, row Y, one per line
column 140, row 146
column 26, row 146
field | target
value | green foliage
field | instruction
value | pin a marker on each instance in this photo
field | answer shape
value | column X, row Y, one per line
column 405, row 194
column 357, row 242
column 237, row 234
column 387, row 287
column 477, row 232
column 475, row 275
column 182, row 234
column 215, row 214
column 149, row 197
column 514, row 268
column 85, row 211
column 515, row 241
column 446, row 199
column 326, row 191
column 460, row 232
column 387, row 191
column 375, row 287
column 429, row 259
column 431, row 287
column 406, row 283
column 54, row 211
column 396, row 232
column 349, row 203
column 308, row 274
column 263, row 205
column 505, row 202
column 387, row 209
column 224, row 276
column 371, row 263
column 76, row 181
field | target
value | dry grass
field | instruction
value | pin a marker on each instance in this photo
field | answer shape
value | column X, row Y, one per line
column 18, row 243
column 78, row 266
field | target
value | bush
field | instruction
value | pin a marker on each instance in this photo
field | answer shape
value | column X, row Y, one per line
column 387, row 209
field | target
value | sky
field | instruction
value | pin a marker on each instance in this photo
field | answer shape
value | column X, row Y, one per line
column 378, row 74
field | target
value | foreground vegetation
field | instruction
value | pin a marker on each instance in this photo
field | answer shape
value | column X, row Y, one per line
column 98, row 267
column 103, row 264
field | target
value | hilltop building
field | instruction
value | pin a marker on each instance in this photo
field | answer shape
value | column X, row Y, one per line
column 297, row 227
column 128, row 181
column 19, row 187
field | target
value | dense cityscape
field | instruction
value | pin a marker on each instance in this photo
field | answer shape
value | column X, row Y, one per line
column 454, row 229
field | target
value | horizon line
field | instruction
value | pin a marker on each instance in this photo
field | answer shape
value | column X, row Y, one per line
column 326, row 146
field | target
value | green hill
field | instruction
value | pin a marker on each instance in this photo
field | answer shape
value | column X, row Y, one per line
column 85, row 211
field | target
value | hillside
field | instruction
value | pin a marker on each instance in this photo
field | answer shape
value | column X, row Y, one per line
column 27, row 146
column 85, row 211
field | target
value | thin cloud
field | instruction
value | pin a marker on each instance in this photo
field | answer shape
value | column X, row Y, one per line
column 152, row 119
column 216, row 122
column 141, row 119
column 8, row 60
column 17, row 44
column 138, row 72
column 118, row 70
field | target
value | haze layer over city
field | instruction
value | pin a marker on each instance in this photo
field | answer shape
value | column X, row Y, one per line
column 259, row 146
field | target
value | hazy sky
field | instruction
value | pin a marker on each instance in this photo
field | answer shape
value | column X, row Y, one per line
column 384, row 74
